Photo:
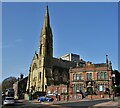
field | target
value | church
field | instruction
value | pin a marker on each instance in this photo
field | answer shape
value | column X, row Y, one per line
column 46, row 73
column 44, row 69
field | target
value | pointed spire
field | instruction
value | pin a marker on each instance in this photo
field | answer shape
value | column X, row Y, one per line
column 46, row 22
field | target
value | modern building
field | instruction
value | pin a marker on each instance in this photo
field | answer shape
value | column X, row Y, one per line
column 71, row 57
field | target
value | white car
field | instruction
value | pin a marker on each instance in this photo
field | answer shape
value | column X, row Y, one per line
column 9, row 101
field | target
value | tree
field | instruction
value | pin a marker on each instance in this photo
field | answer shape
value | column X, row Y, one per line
column 8, row 83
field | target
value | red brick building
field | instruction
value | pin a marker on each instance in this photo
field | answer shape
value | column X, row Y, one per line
column 91, row 78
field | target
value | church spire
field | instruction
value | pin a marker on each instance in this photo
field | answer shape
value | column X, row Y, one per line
column 45, row 46
column 46, row 19
column 46, row 24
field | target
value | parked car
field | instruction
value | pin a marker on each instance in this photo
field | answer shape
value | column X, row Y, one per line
column 43, row 99
column 9, row 101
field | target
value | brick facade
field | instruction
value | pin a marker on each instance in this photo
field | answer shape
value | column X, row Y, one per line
column 94, row 76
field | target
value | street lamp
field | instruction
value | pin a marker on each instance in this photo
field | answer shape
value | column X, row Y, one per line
column 113, row 83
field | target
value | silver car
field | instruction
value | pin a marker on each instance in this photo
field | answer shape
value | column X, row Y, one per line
column 9, row 101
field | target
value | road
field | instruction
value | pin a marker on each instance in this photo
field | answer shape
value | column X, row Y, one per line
column 81, row 104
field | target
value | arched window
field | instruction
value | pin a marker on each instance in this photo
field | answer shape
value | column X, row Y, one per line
column 34, row 67
column 74, row 77
column 98, row 75
column 106, row 75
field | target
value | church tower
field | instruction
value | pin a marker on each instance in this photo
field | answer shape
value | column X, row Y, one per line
column 40, row 72
column 45, row 52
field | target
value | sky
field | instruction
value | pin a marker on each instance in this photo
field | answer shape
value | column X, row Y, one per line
column 89, row 29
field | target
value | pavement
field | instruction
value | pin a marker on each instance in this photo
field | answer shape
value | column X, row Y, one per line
column 115, row 103
column 111, row 103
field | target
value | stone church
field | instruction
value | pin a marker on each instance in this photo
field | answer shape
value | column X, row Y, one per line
column 45, row 70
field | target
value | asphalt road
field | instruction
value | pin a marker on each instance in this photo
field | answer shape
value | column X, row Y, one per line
column 81, row 104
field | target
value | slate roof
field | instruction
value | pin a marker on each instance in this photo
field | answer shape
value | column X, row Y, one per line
column 63, row 63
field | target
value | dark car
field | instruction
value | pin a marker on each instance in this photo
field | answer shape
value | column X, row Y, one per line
column 43, row 99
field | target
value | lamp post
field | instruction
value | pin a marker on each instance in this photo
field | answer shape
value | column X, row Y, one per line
column 113, row 80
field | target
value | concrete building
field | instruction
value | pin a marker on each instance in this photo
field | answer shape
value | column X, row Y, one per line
column 71, row 57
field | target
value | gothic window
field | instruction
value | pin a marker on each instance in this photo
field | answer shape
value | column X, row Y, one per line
column 34, row 66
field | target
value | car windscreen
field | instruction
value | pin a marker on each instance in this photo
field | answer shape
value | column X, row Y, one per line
column 9, row 98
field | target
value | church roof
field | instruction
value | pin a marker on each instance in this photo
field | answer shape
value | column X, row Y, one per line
column 63, row 63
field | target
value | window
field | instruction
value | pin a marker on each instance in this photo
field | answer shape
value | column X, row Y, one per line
column 102, row 75
column 41, row 49
column 74, row 77
column 40, row 76
column 77, row 75
column 34, row 66
column 73, row 87
column 98, row 75
column 89, row 76
column 81, row 87
column 106, row 75
column 80, row 76
column 77, row 88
